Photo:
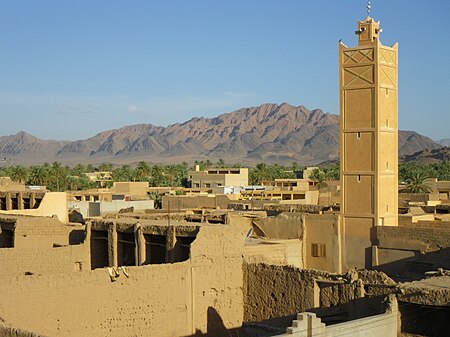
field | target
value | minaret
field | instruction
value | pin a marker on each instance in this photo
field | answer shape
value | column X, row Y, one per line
column 369, row 138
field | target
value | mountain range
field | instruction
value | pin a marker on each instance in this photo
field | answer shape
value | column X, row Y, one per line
column 444, row 142
column 428, row 156
column 279, row 133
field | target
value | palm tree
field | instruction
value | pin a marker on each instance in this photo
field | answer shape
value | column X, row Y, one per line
column 415, row 183
column 319, row 177
column 259, row 174
column 105, row 167
column 58, row 175
column 333, row 172
column 157, row 177
column 78, row 170
column 124, row 173
column 19, row 173
column 142, row 171
column 38, row 175
column 157, row 198
column 171, row 172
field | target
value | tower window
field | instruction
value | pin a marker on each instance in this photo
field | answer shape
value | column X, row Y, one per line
column 358, row 135
column 359, row 178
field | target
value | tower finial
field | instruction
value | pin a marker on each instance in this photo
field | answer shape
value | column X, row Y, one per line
column 369, row 7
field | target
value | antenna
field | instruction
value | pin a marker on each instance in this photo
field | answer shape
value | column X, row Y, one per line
column 369, row 7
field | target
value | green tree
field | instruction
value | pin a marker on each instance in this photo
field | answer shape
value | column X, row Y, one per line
column 19, row 174
column 259, row 174
column 157, row 176
column 220, row 163
column 105, row 167
column 332, row 172
column 319, row 177
column 58, row 177
column 142, row 171
column 415, row 183
column 157, row 198
column 124, row 173
column 39, row 175
column 79, row 170
column 172, row 174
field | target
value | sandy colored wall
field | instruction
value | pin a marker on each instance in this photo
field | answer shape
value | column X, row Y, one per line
column 37, row 261
column 42, row 232
column 323, row 229
column 203, row 294
column 110, row 206
column 130, row 188
column 237, row 179
column 356, row 242
column 414, row 237
column 411, row 249
column 53, row 203
column 284, row 252
column 117, row 205
column 190, row 202
column 276, row 291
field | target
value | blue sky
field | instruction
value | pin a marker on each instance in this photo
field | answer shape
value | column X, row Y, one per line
column 71, row 69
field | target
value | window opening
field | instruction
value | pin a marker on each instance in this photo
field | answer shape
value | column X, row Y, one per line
column 99, row 249
column 318, row 250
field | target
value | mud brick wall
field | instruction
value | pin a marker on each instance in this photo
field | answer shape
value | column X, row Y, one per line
column 35, row 261
column 201, row 295
column 438, row 237
column 275, row 291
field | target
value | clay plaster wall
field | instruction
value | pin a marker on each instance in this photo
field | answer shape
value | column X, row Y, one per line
column 192, row 202
column 413, row 237
column 325, row 230
column 310, row 229
column 278, row 252
column 203, row 294
column 109, row 206
column 411, row 249
column 41, row 232
column 53, row 203
column 136, row 189
column 36, row 261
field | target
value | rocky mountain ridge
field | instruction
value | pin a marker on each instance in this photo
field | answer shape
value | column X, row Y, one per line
column 267, row 133
column 428, row 156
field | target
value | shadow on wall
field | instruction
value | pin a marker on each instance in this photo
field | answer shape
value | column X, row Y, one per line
column 412, row 267
column 216, row 328
column 77, row 236
column 424, row 321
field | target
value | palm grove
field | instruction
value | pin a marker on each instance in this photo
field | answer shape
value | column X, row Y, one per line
column 59, row 177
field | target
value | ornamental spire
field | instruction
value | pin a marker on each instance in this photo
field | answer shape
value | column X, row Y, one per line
column 369, row 7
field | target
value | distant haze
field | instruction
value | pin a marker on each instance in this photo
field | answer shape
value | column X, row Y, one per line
column 267, row 133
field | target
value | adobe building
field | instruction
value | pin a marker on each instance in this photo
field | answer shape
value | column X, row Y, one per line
column 369, row 140
column 218, row 177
